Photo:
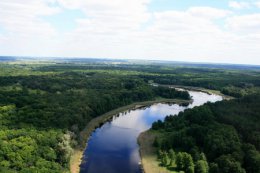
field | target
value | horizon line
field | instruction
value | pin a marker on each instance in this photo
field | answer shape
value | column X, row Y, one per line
column 131, row 59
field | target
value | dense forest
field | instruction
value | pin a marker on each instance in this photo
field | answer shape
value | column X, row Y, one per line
column 218, row 138
column 41, row 114
column 230, row 80
column 44, row 106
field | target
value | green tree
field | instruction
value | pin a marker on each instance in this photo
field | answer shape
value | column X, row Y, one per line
column 213, row 168
column 184, row 162
column 227, row 164
column 188, row 163
column 164, row 159
column 179, row 161
column 251, row 159
column 201, row 166
column 172, row 156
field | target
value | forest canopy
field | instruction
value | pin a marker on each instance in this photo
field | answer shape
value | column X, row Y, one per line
column 42, row 113
column 227, row 132
column 44, row 106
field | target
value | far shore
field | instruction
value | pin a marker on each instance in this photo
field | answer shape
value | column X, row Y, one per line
column 77, row 155
column 192, row 88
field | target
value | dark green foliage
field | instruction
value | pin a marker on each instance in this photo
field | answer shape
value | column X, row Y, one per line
column 157, row 143
column 227, row 164
column 227, row 132
column 170, row 93
column 43, row 111
column 236, row 83
column 45, row 106
column 199, row 115
column 220, row 140
column 251, row 159
column 213, row 168
column 158, row 125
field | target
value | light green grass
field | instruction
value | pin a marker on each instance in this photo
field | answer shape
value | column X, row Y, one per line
column 150, row 163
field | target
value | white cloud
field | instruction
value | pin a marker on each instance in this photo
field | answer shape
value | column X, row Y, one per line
column 127, row 29
column 191, row 35
column 23, row 18
column 172, row 34
column 248, row 24
column 208, row 12
column 176, row 22
column 239, row 5
column 257, row 4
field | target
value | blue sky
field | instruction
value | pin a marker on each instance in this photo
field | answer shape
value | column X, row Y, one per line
column 162, row 5
column 223, row 31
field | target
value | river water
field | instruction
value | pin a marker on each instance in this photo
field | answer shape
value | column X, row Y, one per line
column 113, row 147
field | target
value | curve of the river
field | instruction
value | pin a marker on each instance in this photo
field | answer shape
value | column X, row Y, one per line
column 113, row 147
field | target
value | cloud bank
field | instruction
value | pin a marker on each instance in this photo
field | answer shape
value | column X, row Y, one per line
column 130, row 29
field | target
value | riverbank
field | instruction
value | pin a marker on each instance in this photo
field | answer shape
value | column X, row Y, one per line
column 76, row 157
column 148, row 155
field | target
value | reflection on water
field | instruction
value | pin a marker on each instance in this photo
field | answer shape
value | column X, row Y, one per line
column 113, row 147
column 199, row 98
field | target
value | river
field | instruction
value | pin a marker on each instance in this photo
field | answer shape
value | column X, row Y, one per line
column 113, row 147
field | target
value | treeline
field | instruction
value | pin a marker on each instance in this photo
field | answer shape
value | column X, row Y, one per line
column 230, row 80
column 228, row 132
column 166, row 92
column 227, row 79
column 182, row 161
column 41, row 115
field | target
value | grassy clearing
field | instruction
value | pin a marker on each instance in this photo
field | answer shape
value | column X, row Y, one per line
column 96, row 122
column 150, row 163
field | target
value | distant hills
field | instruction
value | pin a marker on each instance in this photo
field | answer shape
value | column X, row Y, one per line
column 130, row 61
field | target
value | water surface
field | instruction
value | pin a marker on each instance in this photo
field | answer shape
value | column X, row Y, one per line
column 113, row 147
